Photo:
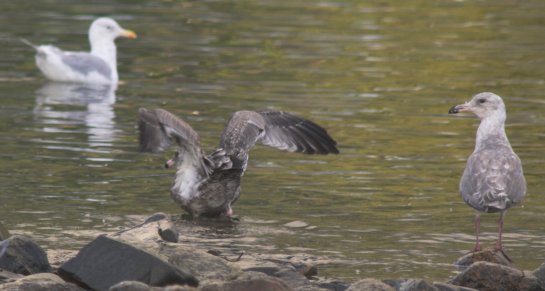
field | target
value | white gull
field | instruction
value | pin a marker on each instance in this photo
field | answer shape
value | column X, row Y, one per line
column 97, row 66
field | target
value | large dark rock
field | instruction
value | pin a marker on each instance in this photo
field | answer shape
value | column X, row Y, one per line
column 250, row 281
column 23, row 256
column 40, row 282
column 105, row 262
column 410, row 285
column 486, row 276
column 487, row 255
column 370, row 285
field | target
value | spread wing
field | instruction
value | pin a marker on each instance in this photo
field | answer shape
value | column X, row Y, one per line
column 492, row 181
column 289, row 132
column 277, row 129
column 159, row 129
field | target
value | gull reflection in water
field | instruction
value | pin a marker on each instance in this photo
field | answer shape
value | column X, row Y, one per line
column 64, row 107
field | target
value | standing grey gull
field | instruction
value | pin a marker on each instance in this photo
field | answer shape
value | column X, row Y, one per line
column 493, row 180
column 207, row 185
column 98, row 66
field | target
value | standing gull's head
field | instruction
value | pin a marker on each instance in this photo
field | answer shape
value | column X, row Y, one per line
column 483, row 105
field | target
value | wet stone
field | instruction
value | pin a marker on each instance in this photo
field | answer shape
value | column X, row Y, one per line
column 486, row 276
column 250, row 281
column 6, row 276
column 334, row 285
column 105, row 262
column 208, row 268
column 449, row 287
column 296, row 224
column 168, row 232
column 487, row 255
column 22, row 256
column 370, row 284
column 156, row 217
column 40, row 282
column 130, row 286
column 410, row 285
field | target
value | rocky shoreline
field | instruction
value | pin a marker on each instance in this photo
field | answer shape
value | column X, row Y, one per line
column 153, row 256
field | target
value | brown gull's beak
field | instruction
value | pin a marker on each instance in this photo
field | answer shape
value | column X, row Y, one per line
column 459, row 108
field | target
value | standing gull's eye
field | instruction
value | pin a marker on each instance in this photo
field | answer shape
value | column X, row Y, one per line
column 482, row 100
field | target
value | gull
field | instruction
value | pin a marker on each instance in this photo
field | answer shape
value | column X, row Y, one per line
column 208, row 185
column 98, row 66
column 493, row 180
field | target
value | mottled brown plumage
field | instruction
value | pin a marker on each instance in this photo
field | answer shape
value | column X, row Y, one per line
column 209, row 185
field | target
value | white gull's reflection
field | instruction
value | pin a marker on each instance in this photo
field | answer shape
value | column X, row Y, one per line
column 66, row 105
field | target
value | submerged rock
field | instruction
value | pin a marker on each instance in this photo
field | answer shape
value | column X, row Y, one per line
column 40, row 282
column 250, row 281
column 486, row 276
column 370, row 284
column 23, row 256
column 105, row 262
column 487, row 255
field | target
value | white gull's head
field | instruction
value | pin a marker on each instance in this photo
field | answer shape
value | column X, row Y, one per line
column 105, row 28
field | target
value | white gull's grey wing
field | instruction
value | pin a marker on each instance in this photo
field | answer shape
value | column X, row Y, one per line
column 493, row 180
column 86, row 63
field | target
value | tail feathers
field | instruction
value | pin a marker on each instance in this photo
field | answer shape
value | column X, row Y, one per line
column 25, row 41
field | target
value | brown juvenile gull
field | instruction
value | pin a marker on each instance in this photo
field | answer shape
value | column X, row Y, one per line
column 493, row 180
column 98, row 66
column 208, row 185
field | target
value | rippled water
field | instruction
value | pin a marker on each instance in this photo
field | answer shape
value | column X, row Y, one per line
column 379, row 76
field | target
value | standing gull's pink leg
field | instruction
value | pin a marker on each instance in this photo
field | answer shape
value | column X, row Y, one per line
column 477, row 230
column 499, row 246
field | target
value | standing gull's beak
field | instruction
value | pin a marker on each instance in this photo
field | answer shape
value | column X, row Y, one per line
column 459, row 108
column 128, row 34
